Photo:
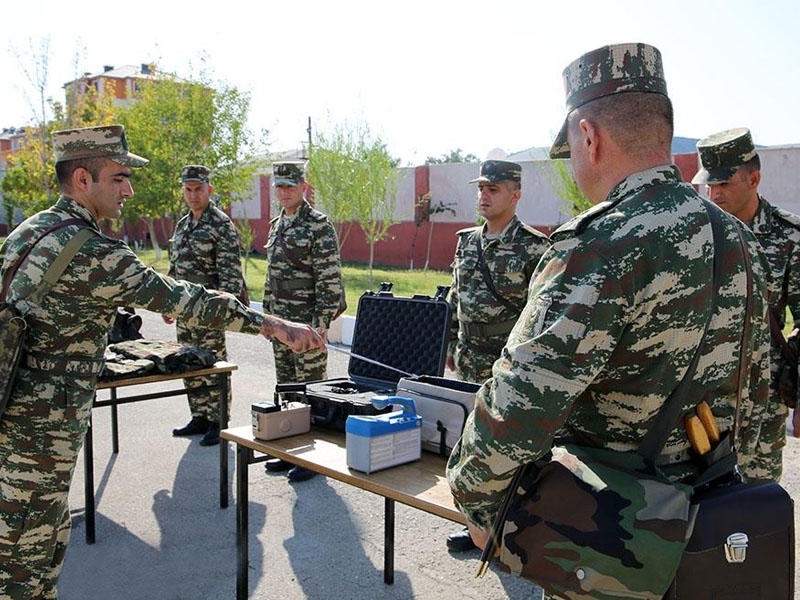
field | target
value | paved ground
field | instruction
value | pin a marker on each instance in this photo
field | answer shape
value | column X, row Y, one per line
column 162, row 536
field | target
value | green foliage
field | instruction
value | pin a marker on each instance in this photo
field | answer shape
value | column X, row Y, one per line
column 454, row 156
column 176, row 122
column 355, row 180
column 567, row 188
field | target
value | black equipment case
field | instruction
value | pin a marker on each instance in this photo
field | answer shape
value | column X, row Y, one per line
column 408, row 334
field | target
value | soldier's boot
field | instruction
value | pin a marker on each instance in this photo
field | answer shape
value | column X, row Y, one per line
column 300, row 474
column 211, row 438
column 460, row 541
column 196, row 426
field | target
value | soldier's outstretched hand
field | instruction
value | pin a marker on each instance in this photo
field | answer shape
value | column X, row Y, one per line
column 299, row 337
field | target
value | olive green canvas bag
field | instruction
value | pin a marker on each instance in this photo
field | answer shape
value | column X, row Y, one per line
column 13, row 326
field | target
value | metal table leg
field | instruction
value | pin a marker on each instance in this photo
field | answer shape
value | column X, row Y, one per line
column 388, row 541
column 114, row 422
column 243, row 458
column 224, row 386
column 88, row 482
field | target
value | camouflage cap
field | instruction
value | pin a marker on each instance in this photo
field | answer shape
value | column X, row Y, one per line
column 720, row 155
column 195, row 173
column 609, row 70
column 288, row 172
column 107, row 141
column 493, row 171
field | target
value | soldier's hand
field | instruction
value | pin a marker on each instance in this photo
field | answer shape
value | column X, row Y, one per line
column 796, row 423
column 167, row 319
column 299, row 337
column 450, row 362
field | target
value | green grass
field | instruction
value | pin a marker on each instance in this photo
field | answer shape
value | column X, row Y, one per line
column 356, row 278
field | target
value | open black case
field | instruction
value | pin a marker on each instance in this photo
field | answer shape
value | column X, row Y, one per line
column 408, row 334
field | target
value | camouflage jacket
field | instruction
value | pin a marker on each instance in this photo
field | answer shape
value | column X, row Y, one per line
column 478, row 316
column 207, row 251
column 616, row 309
column 304, row 273
column 778, row 232
column 71, row 323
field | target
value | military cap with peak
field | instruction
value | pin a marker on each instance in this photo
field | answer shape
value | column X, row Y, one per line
column 493, row 171
column 609, row 70
column 195, row 173
column 288, row 172
column 721, row 154
column 107, row 141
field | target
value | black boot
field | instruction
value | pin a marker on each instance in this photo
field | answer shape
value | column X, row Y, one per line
column 196, row 426
column 460, row 541
column 211, row 438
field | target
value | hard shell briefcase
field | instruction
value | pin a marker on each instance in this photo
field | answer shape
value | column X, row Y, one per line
column 443, row 405
column 401, row 336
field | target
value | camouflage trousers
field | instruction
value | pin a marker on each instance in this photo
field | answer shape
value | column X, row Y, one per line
column 474, row 361
column 771, row 439
column 291, row 367
column 41, row 433
column 297, row 368
column 203, row 403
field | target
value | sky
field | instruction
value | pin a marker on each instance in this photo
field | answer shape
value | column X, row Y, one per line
column 426, row 77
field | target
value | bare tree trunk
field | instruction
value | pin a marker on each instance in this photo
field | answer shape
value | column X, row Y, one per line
column 430, row 237
column 153, row 240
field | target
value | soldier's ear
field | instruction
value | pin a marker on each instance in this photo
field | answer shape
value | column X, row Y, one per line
column 81, row 178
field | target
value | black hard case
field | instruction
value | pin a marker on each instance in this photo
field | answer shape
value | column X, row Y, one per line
column 409, row 334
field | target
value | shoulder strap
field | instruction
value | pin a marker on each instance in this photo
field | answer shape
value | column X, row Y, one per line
column 654, row 440
column 487, row 277
column 9, row 275
column 55, row 270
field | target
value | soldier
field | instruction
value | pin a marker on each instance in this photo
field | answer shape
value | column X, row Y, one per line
column 731, row 168
column 204, row 249
column 45, row 421
column 303, row 282
column 618, row 304
column 492, row 268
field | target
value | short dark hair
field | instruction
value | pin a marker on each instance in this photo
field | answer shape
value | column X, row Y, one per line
column 752, row 165
column 66, row 168
column 636, row 121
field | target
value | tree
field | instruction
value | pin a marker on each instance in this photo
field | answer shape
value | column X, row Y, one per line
column 567, row 189
column 454, row 156
column 30, row 183
column 355, row 180
column 175, row 122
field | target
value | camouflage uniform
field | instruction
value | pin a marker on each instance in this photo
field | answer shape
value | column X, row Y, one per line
column 480, row 322
column 608, row 331
column 45, row 422
column 205, row 251
column 615, row 311
column 303, row 284
column 778, row 233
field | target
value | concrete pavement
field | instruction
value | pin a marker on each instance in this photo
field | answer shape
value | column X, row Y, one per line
column 162, row 536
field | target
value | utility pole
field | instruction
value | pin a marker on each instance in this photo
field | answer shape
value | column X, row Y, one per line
column 309, row 138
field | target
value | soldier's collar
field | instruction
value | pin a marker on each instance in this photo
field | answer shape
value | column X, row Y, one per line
column 762, row 220
column 72, row 207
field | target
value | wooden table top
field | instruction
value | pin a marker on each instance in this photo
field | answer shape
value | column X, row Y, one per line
column 219, row 367
column 421, row 484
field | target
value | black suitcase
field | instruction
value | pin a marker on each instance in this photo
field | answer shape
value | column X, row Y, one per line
column 407, row 334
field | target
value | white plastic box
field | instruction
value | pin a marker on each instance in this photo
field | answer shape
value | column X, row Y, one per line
column 376, row 442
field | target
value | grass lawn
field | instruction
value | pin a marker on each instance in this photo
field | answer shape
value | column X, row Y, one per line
column 356, row 278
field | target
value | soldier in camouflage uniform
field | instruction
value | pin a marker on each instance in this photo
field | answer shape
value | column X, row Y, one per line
column 303, row 282
column 492, row 267
column 618, row 304
column 204, row 249
column 731, row 168
column 45, row 421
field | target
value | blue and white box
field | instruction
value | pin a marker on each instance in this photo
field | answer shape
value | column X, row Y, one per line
column 376, row 442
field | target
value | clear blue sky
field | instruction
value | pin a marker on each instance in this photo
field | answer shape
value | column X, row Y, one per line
column 426, row 76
